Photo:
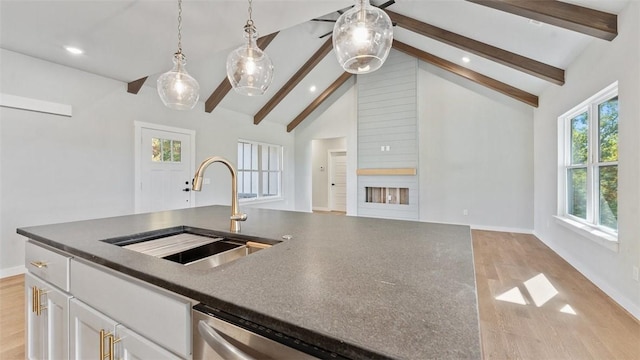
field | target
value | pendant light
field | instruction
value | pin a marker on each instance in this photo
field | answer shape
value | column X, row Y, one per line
column 249, row 69
column 177, row 89
column 362, row 38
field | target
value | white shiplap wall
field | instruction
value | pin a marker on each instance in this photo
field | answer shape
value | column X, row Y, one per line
column 387, row 117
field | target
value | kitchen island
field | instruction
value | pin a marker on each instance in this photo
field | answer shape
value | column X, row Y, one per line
column 361, row 287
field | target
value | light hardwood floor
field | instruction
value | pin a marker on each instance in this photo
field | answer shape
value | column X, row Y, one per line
column 533, row 305
column 12, row 318
column 519, row 268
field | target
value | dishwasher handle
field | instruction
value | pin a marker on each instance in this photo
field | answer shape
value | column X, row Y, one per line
column 219, row 344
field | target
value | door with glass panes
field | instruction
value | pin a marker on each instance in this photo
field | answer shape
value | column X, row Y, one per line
column 165, row 170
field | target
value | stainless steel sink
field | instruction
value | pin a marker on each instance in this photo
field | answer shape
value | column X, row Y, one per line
column 210, row 255
column 171, row 244
column 192, row 247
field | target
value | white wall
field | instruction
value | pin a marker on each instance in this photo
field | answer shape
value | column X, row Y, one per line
column 320, row 170
column 476, row 153
column 336, row 118
column 56, row 169
column 601, row 64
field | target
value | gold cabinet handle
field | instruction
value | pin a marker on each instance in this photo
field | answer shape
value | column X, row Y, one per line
column 112, row 346
column 103, row 335
column 106, row 335
column 40, row 307
column 39, row 264
column 36, row 300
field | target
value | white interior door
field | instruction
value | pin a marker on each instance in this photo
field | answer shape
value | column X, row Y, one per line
column 338, row 181
column 165, row 164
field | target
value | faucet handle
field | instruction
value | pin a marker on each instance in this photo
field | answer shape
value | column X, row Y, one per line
column 239, row 217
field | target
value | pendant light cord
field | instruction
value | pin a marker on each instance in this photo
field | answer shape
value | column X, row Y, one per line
column 249, row 27
column 179, row 26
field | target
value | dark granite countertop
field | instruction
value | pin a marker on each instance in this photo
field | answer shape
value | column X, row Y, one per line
column 364, row 288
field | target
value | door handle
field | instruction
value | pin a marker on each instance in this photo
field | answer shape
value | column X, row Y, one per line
column 186, row 189
column 219, row 344
column 332, row 184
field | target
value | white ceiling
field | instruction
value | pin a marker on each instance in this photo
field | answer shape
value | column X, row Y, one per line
column 130, row 39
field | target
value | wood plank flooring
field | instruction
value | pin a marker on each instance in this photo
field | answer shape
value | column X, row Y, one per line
column 533, row 305
column 12, row 318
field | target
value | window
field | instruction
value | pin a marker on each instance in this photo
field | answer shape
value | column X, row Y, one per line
column 166, row 150
column 259, row 170
column 588, row 191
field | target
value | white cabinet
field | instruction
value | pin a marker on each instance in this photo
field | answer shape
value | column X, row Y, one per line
column 96, row 336
column 162, row 317
column 89, row 332
column 81, row 310
column 133, row 346
column 47, row 320
column 48, row 264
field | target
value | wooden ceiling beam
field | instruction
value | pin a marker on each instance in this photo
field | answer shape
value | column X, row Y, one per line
column 294, row 80
column 568, row 16
column 478, row 78
column 319, row 100
column 217, row 95
column 225, row 86
column 507, row 58
column 135, row 86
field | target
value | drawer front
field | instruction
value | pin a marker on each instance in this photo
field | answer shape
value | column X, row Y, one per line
column 48, row 265
column 158, row 315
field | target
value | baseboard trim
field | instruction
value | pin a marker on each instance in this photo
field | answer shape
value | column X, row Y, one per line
column 320, row 209
column 502, row 229
column 16, row 270
column 487, row 228
column 615, row 295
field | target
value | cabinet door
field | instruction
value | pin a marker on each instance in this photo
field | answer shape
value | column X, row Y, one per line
column 48, row 326
column 89, row 332
column 131, row 346
column 37, row 341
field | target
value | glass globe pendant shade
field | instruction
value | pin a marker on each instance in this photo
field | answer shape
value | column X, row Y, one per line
column 177, row 89
column 249, row 69
column 362, row 38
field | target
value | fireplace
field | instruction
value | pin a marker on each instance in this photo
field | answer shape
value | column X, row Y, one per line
column 387, row 195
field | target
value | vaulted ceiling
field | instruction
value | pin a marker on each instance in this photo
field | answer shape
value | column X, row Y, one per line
column 515, row 47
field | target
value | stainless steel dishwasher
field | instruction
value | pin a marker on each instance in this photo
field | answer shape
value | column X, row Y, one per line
column 218, row 335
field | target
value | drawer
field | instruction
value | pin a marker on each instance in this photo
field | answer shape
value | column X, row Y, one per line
column 48, row 264
column 158, row 315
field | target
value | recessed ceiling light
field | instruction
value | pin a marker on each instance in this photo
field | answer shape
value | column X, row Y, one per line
column 312, row 88
column 74, row 50
column 466, row 59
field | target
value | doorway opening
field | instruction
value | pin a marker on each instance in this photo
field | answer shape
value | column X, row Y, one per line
column 329, row 175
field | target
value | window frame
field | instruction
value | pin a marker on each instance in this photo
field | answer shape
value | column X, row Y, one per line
column 260, row 197
column 589, row 227
column 172, row 153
